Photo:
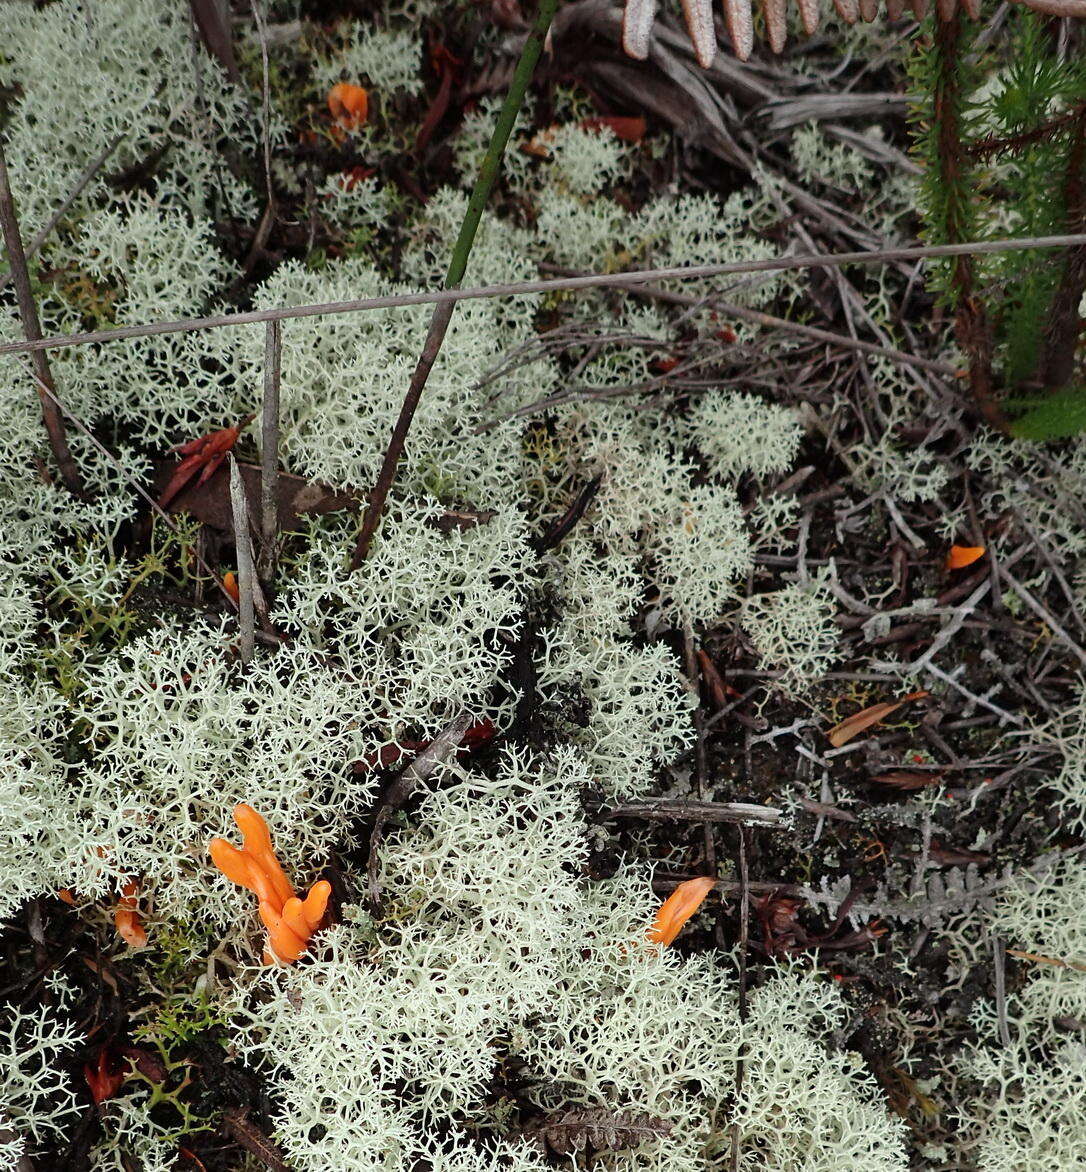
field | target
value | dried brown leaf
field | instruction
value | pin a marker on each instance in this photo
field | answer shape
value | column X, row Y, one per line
column 954, row 856
column 210, row 502
column 866, row 718
column 907, row 779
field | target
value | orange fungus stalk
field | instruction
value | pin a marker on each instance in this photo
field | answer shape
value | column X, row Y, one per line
column 679, row 906
column 126, row 919
column 290, row 921
column 961, row 556
column 349, row 105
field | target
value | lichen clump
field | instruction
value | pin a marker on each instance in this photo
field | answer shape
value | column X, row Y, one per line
column 130, row 730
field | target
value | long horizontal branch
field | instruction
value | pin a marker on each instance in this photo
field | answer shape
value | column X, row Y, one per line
column 691, row 810
column 562, row 284
column 779, row 323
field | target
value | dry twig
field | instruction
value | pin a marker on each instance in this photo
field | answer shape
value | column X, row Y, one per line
column 28, row 315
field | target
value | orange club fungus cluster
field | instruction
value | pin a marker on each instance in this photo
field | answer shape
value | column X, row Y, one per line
column 290, row 921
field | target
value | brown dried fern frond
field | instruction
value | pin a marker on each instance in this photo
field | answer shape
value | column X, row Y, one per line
column 739, row 19
column 579, row 1129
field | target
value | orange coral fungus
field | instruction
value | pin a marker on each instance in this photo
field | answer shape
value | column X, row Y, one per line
column 230, row 585
column 679, row 906
column 290, row 921
column 349, row 104
column 126, row 919
column 203, row 455
column 961, row 556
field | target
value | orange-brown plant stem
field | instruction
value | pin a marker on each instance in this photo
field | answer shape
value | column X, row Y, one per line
column 28, row 315
column 971, row 325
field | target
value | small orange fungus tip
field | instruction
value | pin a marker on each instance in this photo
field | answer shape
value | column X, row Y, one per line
column 126, row 917
column 628, row 129
column 203, row 455
column 679, row 906
column 103, row 1078
column 230, row 585
column 349, row 105
column 290, row 921
column 961, row 556
column 65, row 895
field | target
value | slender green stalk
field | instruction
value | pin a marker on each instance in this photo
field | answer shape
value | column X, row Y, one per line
column 503, row 128
column 458, row 263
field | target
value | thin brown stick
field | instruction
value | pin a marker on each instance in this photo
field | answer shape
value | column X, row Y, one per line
column 439, row 750
column 1062, row 329
column 1000, row 973
column 1042, row 612
column 265, row 123
column 435, row 335
column 85, row 176
column 28, row 315
column 454, row 276
column 253, row 1140
column 756, row 317
column 267, row 220
column 1037, row 958
column 828, row 260
column 971, row 325
column 212, row 18
column 269, row 451
column 700, row 757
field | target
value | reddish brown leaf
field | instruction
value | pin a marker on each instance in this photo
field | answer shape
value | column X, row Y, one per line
column 866, row 718
column 149, row 1064
column 627, row 129
column 386, row 756
column 350, row 178
column 446, row 65
column 906, row 779
column 718, row 689
column 480, row 733
column 209, row 502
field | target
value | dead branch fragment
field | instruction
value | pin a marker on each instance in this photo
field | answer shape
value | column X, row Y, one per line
column 691, row 810
column 28, row 315
column 440, row 749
